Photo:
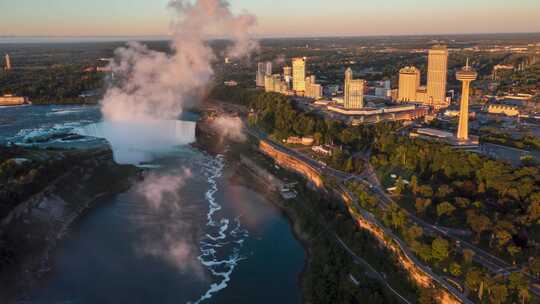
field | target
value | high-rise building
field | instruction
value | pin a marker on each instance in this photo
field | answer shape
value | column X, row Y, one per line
column 299, row 74
column 263, row 69
column 348, row 75
column 268, row 68
column 409, row 83
column 466, row 76
column 287, row 71
column 437, row 76
column 268, row 83
column 274, row 83
column 261, row 72
column 7, row 65
column 313, row 90
column 287, row 75
column 354, row 91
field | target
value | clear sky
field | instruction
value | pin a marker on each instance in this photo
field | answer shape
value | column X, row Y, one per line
column 275, row 17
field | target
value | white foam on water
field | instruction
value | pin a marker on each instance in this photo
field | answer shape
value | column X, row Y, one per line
column 65, row 111
column 222, row 229
column 46, row 134
column 220, row 252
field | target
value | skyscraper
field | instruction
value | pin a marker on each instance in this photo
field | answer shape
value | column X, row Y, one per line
column 287, row 75
column 263, row 69
column 268, row 68
column 466, row 76
column 7, row 65
column 299, row 74
column 261, row 72
column 409, row 83
column 348, row 75
column 354, row 91
column 437, row 76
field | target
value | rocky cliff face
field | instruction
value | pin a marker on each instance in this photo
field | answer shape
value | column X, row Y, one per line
column 41, row 195
column 291, row 163
column 421, row 278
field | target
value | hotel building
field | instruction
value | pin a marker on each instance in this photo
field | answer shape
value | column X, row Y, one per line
column 409, row 84
column 299, row 74
column 353, row 91
column 437, row 76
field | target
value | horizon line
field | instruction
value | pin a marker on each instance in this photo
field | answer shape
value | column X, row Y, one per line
column 121, row 38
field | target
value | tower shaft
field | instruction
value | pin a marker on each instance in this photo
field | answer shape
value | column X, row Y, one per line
column 463, row 128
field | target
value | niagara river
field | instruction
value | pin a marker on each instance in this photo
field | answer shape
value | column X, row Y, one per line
column 190, row 232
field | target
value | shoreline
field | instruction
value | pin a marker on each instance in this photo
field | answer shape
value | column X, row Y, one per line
column 273, row 197
column 258, row 185
column 316, row 243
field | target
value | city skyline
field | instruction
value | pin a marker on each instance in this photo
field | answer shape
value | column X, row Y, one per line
column 369, row 18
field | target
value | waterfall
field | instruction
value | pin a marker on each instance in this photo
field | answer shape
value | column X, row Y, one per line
column 137, row 143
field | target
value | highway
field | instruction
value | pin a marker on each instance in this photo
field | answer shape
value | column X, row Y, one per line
column 493, row 263
column 342, row 177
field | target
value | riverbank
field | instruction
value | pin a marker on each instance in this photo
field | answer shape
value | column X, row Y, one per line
column 331, row 273
column 45, row 194
column 248, row 173
column 251, row 177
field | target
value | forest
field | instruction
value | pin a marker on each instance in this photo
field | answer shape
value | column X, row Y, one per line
column 497, row 204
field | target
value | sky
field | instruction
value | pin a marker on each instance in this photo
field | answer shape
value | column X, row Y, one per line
column 276, row 18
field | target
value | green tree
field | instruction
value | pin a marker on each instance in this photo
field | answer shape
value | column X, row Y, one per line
column 478, row 223
column 513, row 250
column 518, row 283
column 400, row 186
column 455, row 269
column 503, row 237
column 473, row 279
column 440, row 249
column 463, row 202
column 533, row 212
column 398, row 218
column 424, row 251
column 426, row 191
column 414, row 232
column 445, row 208
column 421, row 204
column 349, row 165
column 534, row 265
column 444, row 191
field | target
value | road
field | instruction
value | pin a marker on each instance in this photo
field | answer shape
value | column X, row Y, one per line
column 494, row 264
column 405, row 249
column 491, row 262
column 342, row 177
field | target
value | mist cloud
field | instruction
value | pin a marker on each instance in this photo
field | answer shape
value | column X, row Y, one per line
column 159, row 189
column 151, row 85
column 229, row 128
column 168, row 237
